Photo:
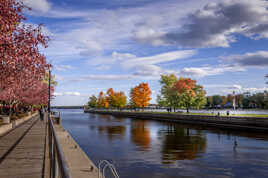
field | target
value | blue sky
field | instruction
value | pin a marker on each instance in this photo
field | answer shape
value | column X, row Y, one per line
column 98, row 44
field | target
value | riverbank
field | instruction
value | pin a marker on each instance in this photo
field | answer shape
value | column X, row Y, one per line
column 78, row 162
column 253, row 124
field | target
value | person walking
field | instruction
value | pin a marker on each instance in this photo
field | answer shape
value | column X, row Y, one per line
column 41, row 114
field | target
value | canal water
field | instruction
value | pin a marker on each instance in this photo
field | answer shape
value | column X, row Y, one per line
column 151, row 149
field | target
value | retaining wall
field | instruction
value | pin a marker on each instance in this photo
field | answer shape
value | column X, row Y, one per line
column 7, row 127
column 236, row 123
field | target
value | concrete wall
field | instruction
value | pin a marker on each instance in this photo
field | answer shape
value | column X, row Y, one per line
column 7, row 127
column 237, row 123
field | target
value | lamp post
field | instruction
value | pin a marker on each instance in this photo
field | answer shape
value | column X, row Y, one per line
column 49, row 86
column 234, row 104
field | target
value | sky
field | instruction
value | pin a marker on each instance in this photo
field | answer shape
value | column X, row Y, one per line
column 100, row 44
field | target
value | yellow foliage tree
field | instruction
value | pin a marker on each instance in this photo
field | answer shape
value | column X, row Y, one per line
column 116, row 99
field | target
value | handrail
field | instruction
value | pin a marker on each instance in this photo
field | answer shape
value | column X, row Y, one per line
column 58, row 164
column 108, row 164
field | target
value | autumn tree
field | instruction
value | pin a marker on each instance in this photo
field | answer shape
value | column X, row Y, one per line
column 120, row 100
column 22, row 65
column 116, row 99
column 131, row 101
column 141, row 95
column 189, row 94
column 111, row 97
column 102, row 101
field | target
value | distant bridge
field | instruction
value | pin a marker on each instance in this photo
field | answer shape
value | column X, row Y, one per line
column 67, row 107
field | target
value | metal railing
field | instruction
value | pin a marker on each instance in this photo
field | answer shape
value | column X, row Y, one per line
column 58, row 164
column 106, row 164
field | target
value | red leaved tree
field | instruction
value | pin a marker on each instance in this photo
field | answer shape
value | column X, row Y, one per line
column 22, row 66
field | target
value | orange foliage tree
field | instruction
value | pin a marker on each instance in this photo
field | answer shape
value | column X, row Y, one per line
column 102, row 101
column 141, row 95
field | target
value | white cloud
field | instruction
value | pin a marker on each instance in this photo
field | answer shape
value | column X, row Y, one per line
column 236, row 87
column 215, row 25
column 98, row 30
column 38, row 5
column 122, row 56
column 159, row 58
column 104, row 77
column 209, row 70
column 143, row 66
column 228, row 89
column 256, row 59
column 151, row 70
column 243, row 90
column 145, row 34
column 63, row 67
column 59, row 78
column 67, row 94
column 57, row 94
column 72, row 93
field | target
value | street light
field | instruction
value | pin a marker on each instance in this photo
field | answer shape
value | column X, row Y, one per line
column 234, row 104
column 49, row 86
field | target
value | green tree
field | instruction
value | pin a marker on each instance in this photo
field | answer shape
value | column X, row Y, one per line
column 259, row 100
column 120, row 100
column 210, row 101
column 168, row 97
column 200, row 99
column 217, row 100
column 93, row 101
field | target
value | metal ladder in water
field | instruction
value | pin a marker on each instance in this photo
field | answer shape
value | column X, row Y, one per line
column 106, row 164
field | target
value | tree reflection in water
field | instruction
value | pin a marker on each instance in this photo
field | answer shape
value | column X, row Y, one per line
column 112, row 131
column 140, row 134
column 180, row 143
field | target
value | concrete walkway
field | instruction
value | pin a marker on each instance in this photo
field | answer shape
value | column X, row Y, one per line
column 22, row 151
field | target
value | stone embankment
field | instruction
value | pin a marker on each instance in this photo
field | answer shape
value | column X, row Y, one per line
column 78, row 162
column 234, row 123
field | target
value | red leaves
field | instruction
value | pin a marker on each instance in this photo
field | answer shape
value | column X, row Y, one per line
column 185, row 85
column 22, row 66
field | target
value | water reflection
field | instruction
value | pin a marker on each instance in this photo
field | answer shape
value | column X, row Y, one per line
column 180, row 143
column 159, row 149
column 109, row 128
column 140, row 134
column 112, row 132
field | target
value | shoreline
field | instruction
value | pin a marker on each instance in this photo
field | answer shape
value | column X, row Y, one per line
column 79, row 164
column 252, row 124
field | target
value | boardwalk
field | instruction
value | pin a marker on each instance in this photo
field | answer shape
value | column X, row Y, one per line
column 22, row 151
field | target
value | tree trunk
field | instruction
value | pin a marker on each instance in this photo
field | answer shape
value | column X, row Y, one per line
column 187, row 110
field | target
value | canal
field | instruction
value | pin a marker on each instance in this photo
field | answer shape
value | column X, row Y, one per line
column 151, row 149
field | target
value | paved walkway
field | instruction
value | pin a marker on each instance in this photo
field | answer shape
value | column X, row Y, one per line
column 22, row 151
